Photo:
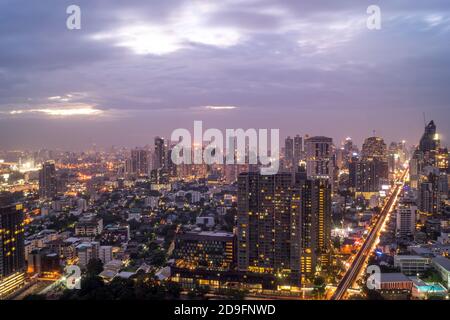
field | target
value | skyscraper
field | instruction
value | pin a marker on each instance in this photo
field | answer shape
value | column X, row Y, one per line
column 12, row 248
column 268, row 226
column 368, row 175
column 289, row 152
column 47, row 180
column 429, row 143
column 371, row 171
column 319, row 157
column 315, row 215
column 160, row 153
column 298, row 150
column 374, row 147
column 140, row 162
column 430, row 195
column 406, row 221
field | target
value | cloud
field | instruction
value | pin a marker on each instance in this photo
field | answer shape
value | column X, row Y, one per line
column 186, row 26
column 66, row 111
column 148, row 61
column 220, row 107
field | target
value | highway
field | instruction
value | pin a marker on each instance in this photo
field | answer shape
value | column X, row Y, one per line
column 364, row 253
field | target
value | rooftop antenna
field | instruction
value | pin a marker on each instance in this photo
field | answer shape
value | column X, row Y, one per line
column 424, row 120
column 374, row 133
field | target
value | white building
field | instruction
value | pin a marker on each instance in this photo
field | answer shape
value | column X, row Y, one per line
column 87, row 251
column 411, row 265
column 152, row 202
column 105, row 254
column 406, row 220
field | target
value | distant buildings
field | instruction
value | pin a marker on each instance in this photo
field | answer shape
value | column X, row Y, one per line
column 319, row 157
column 368, row 176
column 429, row 144
column 370, row 172
column 160, row 154
column 140, row 162
column 47, row 180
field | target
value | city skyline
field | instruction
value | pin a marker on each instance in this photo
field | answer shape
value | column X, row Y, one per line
column 137, row 70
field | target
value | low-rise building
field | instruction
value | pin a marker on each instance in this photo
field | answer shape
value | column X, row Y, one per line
column 412, row 265
column 442, row 265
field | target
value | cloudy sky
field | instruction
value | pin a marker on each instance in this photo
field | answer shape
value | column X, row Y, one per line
column 137, row 69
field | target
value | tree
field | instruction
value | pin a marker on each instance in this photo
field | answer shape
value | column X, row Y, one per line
column 94, row 267
column 319, row 286
column 173, row 289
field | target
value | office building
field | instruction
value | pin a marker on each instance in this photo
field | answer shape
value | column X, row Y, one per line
column 298, row 150
column 429, row 143
column 374, row 147
column 319, row 157
column 47, row 180
column 289, row 152
column 368, row 175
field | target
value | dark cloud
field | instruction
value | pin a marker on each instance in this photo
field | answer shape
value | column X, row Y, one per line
column 302, row 66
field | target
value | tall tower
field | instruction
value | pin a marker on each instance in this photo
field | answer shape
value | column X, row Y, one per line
column 160, row 153
column 12, row 249
column 47, row 180
column 315, row 214
column 289, row 152
column 429, row 143
column 319, row 157
column 298, row 150
column 268, row 226
column 140, row 162
column 374, row 147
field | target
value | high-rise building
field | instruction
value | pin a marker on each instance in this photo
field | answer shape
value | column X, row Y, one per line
column 319, row 157
column 429, row 195
column 429, row 143
column 371, row 171
column 406, row 221
column 298, row 150
column 315, row 232
column 268, row 226
column 12, row 249
column 47, row 180
column 140, row 162
column 374, row 147
column 160, row 153
column 368, row 175
column 289, row 152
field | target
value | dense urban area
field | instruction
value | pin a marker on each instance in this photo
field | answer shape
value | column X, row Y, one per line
column 336, row 222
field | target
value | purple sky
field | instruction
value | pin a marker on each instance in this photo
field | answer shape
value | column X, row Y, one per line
column 138, row 69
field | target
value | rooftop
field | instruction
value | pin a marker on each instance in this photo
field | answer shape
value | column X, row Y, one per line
column 443, row 262
column 394, row 277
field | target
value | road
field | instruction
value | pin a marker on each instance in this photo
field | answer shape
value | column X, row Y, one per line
column 364, row 252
